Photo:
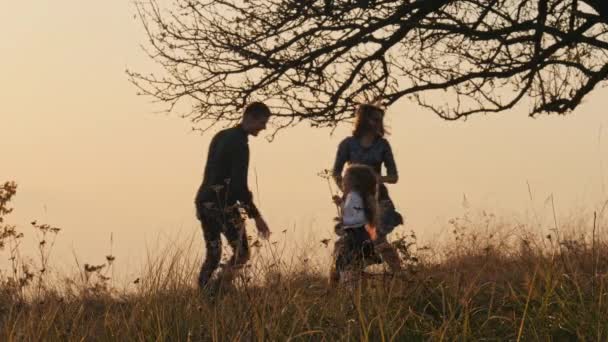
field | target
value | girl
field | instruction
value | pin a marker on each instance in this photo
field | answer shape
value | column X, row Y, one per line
column 359, row 217
column 368, row 146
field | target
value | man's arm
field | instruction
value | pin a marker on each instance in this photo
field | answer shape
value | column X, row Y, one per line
column 239, row 189
column 241, row 192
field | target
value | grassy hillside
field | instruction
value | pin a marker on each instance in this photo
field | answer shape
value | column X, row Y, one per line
column 486, row 282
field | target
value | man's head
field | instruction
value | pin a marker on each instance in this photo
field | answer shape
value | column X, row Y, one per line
column 255, row 118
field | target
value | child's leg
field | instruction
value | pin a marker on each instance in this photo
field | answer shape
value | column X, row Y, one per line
column 334, row 274
column 344, row 257
column 350, row 262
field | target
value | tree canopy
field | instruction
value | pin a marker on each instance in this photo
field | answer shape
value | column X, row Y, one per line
column 315, row 60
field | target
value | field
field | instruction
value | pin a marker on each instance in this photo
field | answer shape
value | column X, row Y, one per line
column 490, row 280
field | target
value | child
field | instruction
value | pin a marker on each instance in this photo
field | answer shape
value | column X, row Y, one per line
column 357, row 226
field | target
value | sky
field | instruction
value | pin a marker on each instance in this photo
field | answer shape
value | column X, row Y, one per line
column 92, row 157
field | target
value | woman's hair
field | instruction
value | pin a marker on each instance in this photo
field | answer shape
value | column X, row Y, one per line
column 364, row 180
column 362, row 116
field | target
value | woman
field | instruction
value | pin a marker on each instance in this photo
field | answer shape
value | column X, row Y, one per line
column 368, row 146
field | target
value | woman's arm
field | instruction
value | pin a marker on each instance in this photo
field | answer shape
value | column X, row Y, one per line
column 392, row 176
column 390, row 179
column 341, row 159
column 338, row 180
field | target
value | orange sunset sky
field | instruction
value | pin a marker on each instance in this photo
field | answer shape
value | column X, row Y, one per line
column 93, row 158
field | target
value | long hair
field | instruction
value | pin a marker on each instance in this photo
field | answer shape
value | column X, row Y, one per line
column 362, row 116
column 364, row 180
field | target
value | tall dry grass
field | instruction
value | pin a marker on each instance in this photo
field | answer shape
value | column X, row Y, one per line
column 489, row 280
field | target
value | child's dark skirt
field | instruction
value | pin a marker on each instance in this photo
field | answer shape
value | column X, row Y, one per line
column 355, row 250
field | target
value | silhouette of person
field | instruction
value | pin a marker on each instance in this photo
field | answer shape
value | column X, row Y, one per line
column 224, row 193
column 368, row 146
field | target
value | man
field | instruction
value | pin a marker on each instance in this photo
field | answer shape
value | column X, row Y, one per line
column 224, row 190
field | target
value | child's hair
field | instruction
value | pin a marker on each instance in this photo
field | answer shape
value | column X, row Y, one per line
column 364, row 180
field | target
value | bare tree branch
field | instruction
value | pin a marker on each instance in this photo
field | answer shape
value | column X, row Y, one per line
column 315, row 60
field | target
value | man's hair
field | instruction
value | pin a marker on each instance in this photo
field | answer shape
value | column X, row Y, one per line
column 256, row 110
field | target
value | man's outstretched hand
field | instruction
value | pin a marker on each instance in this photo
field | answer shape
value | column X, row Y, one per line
column 262, row 227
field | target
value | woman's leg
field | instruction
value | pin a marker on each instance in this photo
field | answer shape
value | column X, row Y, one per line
column 388, row 253
column 389, row 220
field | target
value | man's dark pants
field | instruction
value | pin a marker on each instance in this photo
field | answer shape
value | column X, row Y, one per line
column 232, row 225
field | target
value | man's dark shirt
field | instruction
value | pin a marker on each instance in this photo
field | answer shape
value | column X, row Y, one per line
column 225, row 180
